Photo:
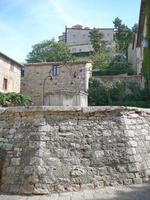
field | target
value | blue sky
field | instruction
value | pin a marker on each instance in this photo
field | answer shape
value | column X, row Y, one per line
column 26, row 22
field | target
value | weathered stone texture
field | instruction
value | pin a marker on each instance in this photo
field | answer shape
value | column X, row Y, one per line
column 47, row 149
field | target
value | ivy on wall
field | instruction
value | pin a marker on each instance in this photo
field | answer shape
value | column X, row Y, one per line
column 147, row 51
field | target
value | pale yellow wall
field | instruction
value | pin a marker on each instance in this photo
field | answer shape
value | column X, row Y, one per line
column 12, row 75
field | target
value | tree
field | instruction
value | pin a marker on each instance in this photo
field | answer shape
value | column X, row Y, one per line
column 135, row 28
column 100, row 55
column 97, row 41
column 119, row 65
column 48, row 51
column 101, row 61
column 123, row 36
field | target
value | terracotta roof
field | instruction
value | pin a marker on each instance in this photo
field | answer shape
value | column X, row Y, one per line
column 10, row 59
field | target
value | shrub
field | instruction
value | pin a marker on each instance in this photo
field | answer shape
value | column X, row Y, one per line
column 118, row 65
column 100, row 94
column 14, row 99
column 120, row 94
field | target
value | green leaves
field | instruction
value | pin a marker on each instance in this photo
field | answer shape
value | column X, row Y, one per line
column 96, row 39
column 48, row 51
column 123, row 36
column 119, row 93
column 14, row 99
column 111, row 66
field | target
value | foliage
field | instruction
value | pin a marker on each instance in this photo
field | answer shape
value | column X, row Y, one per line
column 105, row 94
column 123, row 36
column 120, row 93
column 119, row 65
column 112, row 66
column 147, row 52
column 48, row 51
column 14, row 99
column 97, row 41
column 135, row 28
column 82, row 56
column 101, row 61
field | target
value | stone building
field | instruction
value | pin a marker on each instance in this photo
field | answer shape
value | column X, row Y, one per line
column 57, row 84
column 77, row 38
column 10, row 74
column 136, row 48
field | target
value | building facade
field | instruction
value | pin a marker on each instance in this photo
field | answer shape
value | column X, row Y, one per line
column 136, row 48
column 77, row 38
column 57, row 84
column 10, row 74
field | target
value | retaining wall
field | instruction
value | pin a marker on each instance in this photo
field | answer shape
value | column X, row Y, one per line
column 53, row 149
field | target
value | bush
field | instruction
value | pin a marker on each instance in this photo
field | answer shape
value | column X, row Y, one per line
column 118, row 94
column 14, row 99
column 100, row 94
column 118, row 65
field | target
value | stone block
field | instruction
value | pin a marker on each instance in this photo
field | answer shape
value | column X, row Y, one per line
column 147, row 137
column 131, row 151
column 77, row 171
column 15, row 161
column 137, row 180
column 132, row 143
column 128, row 181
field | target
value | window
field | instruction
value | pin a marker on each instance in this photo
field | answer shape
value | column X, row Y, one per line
column 5, row 82
column 56, row 71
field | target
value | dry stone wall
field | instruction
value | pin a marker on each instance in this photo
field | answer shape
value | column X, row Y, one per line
column 53, row 149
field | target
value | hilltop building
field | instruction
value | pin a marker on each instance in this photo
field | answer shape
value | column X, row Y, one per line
column 77, row 38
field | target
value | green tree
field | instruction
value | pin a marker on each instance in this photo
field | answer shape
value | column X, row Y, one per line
column 101, row 61
column 48, row 51
column 119, row 65
column 100, row 56
column 123, row 36
column 135, row 28
column 97, row 41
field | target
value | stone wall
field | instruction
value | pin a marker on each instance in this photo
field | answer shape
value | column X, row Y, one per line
column 113, row 79
column 53, row 149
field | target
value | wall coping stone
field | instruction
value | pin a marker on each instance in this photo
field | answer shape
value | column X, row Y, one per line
column 90, row 109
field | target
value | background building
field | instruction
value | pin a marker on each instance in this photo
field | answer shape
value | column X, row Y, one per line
column 57, row 84
column 77, row 38
column 136, row 48
column 10, row 74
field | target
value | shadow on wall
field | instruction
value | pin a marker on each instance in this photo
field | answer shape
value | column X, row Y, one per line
column 138, row 192
column 2, row 159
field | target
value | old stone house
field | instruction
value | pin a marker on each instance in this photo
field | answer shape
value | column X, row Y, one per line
column 136, row 48
column 57, row 84
column 77, row 38
column 10, row 74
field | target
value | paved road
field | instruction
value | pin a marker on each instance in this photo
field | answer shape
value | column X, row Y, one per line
column 136, row 192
